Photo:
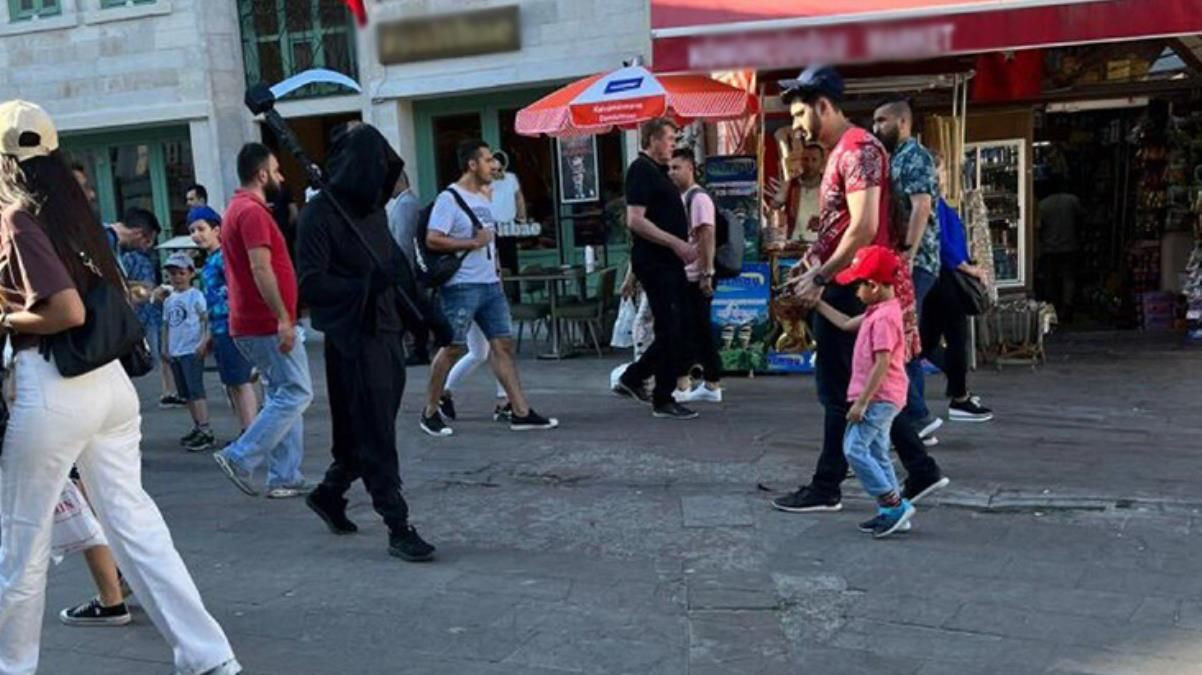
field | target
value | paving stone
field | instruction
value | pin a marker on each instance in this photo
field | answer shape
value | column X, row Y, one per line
column 716, row 511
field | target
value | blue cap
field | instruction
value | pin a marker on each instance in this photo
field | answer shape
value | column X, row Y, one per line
column 814, row 81
column 204, row 213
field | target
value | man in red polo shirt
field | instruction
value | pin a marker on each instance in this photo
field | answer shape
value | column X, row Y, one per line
column 262, row 295
column 855, row 212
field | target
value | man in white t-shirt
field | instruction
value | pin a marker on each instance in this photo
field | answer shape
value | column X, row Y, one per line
column 508, row 204
column 462, row 223
column 702, row 218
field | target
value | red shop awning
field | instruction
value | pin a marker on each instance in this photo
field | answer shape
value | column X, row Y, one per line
column 708, row 35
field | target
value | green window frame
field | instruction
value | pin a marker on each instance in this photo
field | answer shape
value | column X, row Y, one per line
column 27, row 10
column 303, row 35
column 109, row 4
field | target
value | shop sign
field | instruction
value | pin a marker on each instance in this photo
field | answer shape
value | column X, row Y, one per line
column 449, row 36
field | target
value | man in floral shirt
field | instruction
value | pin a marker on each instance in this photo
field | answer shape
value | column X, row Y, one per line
column 915, row 185
column 855, row 213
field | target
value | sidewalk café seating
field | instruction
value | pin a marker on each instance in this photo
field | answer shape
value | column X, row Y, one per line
column 593, row 314
column 528, row 307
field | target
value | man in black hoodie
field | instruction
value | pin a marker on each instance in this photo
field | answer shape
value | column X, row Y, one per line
column 362, row 302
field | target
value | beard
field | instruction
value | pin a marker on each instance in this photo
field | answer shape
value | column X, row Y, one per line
column 890, row 139
column 272, row 192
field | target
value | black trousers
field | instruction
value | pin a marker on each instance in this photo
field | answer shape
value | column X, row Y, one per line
column 365, row 391
column 667, row 357
column 701, row 334
column 833, row 376
column 942, row 320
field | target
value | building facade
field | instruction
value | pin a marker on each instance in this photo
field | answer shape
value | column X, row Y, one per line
column 148, row 93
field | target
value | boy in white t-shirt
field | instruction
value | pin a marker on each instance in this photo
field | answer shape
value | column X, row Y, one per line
column 186, row 314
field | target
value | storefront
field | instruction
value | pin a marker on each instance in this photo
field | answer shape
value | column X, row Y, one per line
column 1002, row 129
column 455, row 73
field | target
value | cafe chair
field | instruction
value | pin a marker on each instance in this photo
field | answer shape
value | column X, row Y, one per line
column 523, row 311
column 593, row 314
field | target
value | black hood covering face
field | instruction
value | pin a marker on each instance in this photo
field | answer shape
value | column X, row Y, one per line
column 363, row 169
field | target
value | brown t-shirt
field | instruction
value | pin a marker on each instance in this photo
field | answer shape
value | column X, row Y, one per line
column 30, row 269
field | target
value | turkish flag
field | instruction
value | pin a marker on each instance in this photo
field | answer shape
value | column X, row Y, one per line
column 360, row 12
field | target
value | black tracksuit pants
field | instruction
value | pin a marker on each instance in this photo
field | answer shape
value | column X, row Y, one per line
column 667, row 357
column 365, row 390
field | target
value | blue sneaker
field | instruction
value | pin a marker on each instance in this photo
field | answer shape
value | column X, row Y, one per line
column 893, row 519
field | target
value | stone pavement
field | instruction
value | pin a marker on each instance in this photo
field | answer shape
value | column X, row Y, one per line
column 1068, row 543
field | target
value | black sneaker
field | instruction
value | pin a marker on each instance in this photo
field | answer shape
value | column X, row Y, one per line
column 635, row 393
column 92, row 613
column 435, row 426
column 188, row 437
column 172, row 401
column 806, row 500
column 894, row 519
column 531, row 421
column 408, row 545
column 446, row 407
column 201, row 440
column 918, row 488
column 503, row 413
column 869, row 526
column 673, row 411
column 332, row 511
column 969, row 410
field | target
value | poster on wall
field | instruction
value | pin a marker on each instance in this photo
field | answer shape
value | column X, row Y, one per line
column 579, row 182
column 741, row 321
column 733, row 180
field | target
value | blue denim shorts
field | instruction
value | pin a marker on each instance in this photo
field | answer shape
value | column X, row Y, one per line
column 189, row 373
column 484, row 304
column 235, row 370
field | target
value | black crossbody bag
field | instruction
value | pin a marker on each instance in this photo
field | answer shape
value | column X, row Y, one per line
column 110, row 332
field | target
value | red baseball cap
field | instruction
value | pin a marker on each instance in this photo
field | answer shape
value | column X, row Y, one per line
column 872, row 263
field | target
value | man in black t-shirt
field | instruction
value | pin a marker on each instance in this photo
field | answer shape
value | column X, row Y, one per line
column 656, row 217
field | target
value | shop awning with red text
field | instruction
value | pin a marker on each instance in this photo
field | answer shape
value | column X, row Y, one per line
column 708, row 35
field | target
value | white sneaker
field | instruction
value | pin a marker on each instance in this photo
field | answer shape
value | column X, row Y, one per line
column 930, row 427
column 698, row 394
column 930, row 441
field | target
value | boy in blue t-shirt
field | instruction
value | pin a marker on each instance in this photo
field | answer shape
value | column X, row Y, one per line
column 237, row 374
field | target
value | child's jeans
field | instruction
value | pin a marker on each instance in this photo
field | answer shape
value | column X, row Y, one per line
column 866, row 446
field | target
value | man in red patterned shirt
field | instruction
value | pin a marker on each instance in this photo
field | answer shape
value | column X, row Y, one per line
column 855, row 213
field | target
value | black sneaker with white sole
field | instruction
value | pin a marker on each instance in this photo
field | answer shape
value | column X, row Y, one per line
column 531, row 421
column 200, row 441
column 446, row 407
column 435, row 425
column 92, row 613
column 673, row 411
column 919, row 488
column 503, row 413
column 969, row 410
column 807, row 500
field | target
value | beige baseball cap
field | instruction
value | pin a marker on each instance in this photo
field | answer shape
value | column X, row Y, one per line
column 26, row 131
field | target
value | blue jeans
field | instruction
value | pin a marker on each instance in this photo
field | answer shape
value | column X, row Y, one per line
column 484, row 304
column 278, row 431
column 866, row 446
column 916, row 404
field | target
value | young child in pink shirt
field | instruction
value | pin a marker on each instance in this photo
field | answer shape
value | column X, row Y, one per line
column 878, row 384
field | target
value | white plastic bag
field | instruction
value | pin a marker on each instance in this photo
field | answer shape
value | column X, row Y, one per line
column 623, row 337
column 75, row 527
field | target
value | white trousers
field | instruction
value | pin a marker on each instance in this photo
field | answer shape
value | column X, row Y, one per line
column 91, row 421
column 477, row 355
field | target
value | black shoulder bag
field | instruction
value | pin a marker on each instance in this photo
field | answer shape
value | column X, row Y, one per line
column 442, row 267
column 110, row 332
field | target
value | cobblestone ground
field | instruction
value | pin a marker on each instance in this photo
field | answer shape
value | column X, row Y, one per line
column 1068, row 543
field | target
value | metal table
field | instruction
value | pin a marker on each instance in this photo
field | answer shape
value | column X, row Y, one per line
column 553, row 278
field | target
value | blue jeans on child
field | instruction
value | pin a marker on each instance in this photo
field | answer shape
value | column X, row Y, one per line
column 866, row 446
column 278, row 431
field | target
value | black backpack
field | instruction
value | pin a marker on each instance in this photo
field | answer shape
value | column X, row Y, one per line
column 436, row 268
column 729, row 242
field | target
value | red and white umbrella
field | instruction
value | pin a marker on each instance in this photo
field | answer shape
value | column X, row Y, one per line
column 629, row 96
